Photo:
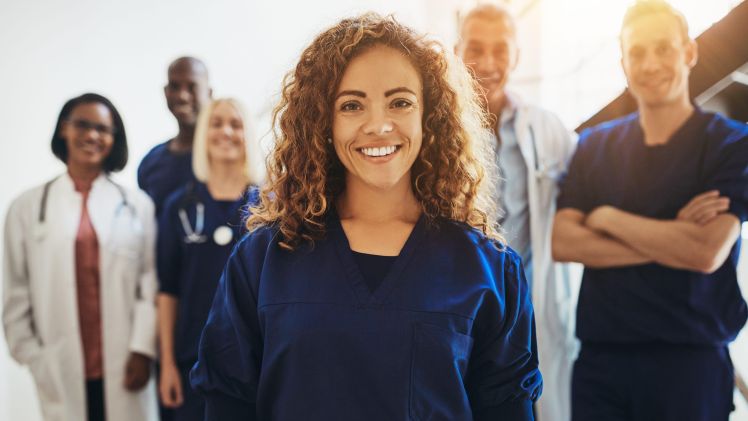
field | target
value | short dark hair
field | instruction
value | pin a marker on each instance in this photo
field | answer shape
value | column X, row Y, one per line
column 651, row 7
column 117, row 158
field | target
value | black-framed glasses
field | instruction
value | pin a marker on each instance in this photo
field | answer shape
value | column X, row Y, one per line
column 84, row 125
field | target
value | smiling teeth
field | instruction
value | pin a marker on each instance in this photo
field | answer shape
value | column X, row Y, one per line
column 383, row 151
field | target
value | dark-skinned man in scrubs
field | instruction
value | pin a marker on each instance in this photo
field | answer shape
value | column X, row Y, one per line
column 168, row 166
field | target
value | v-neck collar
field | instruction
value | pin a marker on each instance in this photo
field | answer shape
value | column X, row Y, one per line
column 366, row 297
column 683, row 134
column 226, row 215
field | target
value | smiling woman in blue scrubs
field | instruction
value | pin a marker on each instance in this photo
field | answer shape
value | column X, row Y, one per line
column 374, row 284
column 199, row 225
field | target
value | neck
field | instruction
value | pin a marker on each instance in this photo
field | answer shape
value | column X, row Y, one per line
column 496, row 104
column 370, row 204
column 660, row 122
column 83, row 174
column 227, row 181
column 182, row 142
column 497, row 107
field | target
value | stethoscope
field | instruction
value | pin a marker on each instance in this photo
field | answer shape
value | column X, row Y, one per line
column 221, row 236
column 542, row 170
column 124, row 204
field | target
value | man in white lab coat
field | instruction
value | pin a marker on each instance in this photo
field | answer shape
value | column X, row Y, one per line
column 533, row 149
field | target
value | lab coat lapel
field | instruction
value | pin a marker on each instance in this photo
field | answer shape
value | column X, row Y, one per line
column 524, row 136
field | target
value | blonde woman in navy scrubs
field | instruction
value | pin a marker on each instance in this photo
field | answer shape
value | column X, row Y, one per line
column 374, row 285
column 197, row 229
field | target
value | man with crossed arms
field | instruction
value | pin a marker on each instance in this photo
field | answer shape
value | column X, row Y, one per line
column 652, row 205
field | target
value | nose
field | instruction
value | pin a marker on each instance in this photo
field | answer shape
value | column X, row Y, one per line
column 184, row 94
column 91, row 133
column 650, row 63
column 486, row 63
column 378, row 124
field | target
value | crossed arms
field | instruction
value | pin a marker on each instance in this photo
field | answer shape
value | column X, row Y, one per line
column 698, row 239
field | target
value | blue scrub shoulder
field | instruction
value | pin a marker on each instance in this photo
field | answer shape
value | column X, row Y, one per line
column 150, row 160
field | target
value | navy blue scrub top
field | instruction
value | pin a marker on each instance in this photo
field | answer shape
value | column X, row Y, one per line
column 190, row 271
column 299, row 335
column 162, row 172
column 651, row 302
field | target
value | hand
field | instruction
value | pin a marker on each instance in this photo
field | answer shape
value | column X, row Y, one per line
column 170, row 386
column 704, row 207
column 137, row 371
column 598, row 218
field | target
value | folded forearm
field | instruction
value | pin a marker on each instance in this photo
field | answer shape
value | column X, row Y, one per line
column 573, row 242
column 672, row 243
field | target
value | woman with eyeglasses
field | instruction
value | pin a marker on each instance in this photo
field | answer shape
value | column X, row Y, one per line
column 374, row 284
column 79, row 284
column 198, row 227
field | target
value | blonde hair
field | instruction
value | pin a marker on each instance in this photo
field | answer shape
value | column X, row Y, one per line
column 652, row 7
column 452, row 176
column 200, row 161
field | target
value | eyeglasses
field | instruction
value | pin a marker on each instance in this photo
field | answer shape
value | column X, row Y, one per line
column 85, row 125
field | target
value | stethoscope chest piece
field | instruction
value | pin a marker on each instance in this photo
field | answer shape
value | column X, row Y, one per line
column 223, row 235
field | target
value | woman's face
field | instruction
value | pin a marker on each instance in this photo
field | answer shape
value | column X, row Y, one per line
column 377, row 117
column 225, row 135
column 89, row 135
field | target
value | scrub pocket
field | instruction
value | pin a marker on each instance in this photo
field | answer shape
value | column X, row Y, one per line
column 438, row 369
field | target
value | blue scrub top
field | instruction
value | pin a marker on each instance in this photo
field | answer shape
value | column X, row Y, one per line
column 298, row 335
column 161, row 172
column 190, row 271
column 655, row 303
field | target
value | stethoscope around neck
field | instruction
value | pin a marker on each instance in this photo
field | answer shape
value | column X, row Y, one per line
column 195, row 235
column 42, row 217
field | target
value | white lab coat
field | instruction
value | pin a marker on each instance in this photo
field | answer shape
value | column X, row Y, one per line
column 40, row 312
column 547, row 146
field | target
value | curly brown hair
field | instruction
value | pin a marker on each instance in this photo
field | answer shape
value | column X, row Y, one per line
column 453, row 175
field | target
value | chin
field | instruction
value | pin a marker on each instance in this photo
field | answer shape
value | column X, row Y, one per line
column 655, row 101
column 383, row 184
column 185, row 120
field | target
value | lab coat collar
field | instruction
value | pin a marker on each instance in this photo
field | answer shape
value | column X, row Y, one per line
column 69, row 184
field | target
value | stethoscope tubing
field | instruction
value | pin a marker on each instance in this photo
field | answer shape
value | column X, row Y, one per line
column 194, row 236
column 45, row 194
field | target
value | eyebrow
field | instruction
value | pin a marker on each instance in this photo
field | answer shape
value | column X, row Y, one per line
column 354, row 93
column 398, row 90
column 386, row 94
